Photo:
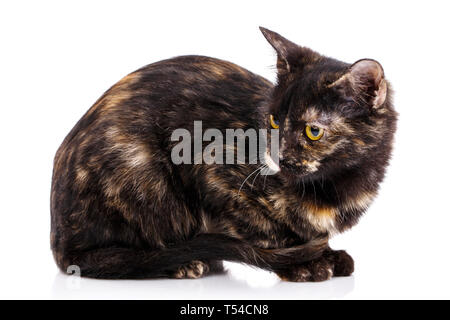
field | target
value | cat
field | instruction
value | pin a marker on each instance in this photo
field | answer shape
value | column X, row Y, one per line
column 121, row 209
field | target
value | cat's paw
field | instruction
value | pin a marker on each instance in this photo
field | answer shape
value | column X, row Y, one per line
column 342, row 262
column 320, row 269
column 193, row 270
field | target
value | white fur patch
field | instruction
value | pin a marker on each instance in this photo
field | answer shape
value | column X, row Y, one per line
column 322, row 223
column 271, row 164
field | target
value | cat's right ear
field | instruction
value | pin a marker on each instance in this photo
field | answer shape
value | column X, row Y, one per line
column 283, row 47
column 366, row 79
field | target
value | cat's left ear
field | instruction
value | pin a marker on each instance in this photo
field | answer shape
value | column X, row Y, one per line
column 366, row 78
column 283, row 47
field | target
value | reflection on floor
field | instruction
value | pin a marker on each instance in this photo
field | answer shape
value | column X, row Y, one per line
column 239, row 282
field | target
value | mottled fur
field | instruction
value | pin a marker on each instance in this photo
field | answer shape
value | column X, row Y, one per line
column 121, row 209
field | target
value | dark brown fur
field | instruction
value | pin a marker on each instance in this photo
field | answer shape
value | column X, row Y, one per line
column 121, row 209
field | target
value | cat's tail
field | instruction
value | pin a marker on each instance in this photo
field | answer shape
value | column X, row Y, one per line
column 116, row 263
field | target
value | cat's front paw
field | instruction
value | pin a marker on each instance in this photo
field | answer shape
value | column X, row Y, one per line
column 342, row 262
column 320, row 269
column 332, row 263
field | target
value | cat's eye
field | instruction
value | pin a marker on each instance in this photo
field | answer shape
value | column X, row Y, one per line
column 313, row 133
column 274, row 122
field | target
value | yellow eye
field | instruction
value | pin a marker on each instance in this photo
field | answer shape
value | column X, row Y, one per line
column 314, row 133
column 274, row 122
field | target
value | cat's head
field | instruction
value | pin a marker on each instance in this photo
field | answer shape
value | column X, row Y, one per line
column 332, row 116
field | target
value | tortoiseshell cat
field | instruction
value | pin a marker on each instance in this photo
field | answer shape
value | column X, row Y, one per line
column 122, row 209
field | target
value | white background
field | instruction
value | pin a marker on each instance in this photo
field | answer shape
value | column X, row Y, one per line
column 58, row 57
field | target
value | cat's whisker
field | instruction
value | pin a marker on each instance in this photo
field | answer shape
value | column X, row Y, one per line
column 322, row 181
column 259, row 168
column 264, row 167
column 266, row 174
column 304, row 189
column 256, row 176
column 315, row 195
column 335, row 190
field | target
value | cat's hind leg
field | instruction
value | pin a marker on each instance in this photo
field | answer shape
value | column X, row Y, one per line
column 197, row 269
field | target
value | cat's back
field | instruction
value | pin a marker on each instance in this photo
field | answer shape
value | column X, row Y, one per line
column 191, row 84
column 195, row 69
column 197, row 81
column 184, row 75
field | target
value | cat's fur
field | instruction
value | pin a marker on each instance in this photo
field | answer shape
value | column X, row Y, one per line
column 121, row 209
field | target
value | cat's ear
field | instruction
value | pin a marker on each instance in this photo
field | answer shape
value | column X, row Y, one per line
column 366, row 77
column 283, row 47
